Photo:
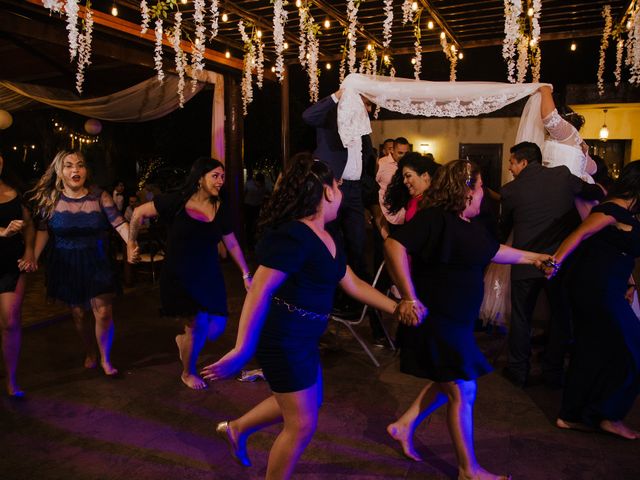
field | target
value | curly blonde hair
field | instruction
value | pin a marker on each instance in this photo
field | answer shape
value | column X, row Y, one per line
column 46, row 193
column 451, row 186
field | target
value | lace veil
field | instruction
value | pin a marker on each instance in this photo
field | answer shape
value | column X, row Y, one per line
column 433, row 99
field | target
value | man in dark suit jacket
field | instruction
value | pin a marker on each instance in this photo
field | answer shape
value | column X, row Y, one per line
column 539, row 205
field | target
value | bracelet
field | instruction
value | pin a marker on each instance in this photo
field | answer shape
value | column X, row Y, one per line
column 407, row 301
column 246, row 275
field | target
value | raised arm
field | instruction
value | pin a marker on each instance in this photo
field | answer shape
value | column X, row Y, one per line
column 316, row 114
column 265, row 282
column 234, row 249
column 146, row 210
column 590, row 226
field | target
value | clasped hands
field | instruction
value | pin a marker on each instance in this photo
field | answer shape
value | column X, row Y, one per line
column 547, row 264
column 410, row 312
column 133, row 252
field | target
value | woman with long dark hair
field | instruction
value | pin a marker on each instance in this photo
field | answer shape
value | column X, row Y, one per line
column 16, row 257
column 449, row 250
column 78, row 218
column 603, row 379
column 409, row 183
column 287, row 310
column 192, row 286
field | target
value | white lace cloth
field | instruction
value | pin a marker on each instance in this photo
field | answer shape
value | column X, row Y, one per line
column 432, row 99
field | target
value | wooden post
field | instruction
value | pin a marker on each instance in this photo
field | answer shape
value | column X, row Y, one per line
column 284, row 118
column 234, row 133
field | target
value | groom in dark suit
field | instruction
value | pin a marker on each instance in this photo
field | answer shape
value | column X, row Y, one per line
column 538, row 205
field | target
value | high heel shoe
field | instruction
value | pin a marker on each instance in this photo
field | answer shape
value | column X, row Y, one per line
column 222, row 429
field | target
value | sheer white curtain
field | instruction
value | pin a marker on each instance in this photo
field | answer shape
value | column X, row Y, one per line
column 433, row 99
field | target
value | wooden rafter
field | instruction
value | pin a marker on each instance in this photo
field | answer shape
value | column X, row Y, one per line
column 342, row 20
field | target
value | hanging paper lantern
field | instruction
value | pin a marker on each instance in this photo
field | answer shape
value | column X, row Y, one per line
column 5, row 119
column 93, row 126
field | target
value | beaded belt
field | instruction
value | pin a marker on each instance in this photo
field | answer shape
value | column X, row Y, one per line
column 300, row 311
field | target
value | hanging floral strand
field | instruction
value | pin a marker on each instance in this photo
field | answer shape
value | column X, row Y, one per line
column 352, row 17
column 604, row 44
column 247, row 65
column 387, row 24
column 157, row 53
column 633, row 47
column 53, row 5
column 71, row 9
column 199, row 46
column 451, row 54
column 512, row 12
column 175, row 36
column 343, row 63
column 523, row 58
column 215, row 16
column 280, row 16
column 144, row 11
column 303, row 11
column 536, row 53
column 84, row 47
column 309, row 49
column 619, row 54
column 259, row 59
column 407, row 11
column 417, row 46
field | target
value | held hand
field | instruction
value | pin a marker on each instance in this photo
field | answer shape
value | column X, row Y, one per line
column 133, row 252
column 628, row 296
column 28, row 262
column 546, row 264
column 227, row 366
column 410, row 312
column 14, row 227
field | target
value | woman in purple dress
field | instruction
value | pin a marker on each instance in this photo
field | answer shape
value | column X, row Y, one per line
column 78, row 220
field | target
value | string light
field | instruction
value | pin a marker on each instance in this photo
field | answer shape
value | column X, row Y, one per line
column 386, row 58
column 298, row 3
column 327, row 23
column 430, row 24
column 259, row 33
column 573, row 46
column 530, row 12
column 369, row 46
column 461, row 55
column 114, row 10
column 225, row 17
column 273, row 69
column 413, row 61
column 227, row 54
column 414, row 6
column 328, row 66
column 285, row 45
column 532, row 42
column 628, row 24
column 443, row 35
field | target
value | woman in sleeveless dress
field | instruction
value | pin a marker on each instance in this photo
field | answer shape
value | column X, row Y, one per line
column 16, row 257
column 286, row 311
column 78, row 219
column 192, row 286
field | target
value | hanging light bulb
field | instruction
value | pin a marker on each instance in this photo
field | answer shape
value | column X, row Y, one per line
column 628, row 24
column 184, row 2
column 530, row 12
column 273, row 69
column 604, row 131
column 443, row 35
column 386, row 58
column 227, row 54
column 298, row 3
column 328, row 66
column 259, row 33
column 114, row 9
column 413, row 61
column 453, row 48
column 285, row 45
column 430, row 24
column 414, row 6
column 327, row 23
column 573, row 46
column 461, row 55
column 225, row 17
column 369, row 46
column 532, row 42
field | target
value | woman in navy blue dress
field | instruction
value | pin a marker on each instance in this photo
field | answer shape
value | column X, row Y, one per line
column 603, row 379
column 16, row 257
column 449, row 251
column 287, row 310
column 78, row 220
column 191, row 286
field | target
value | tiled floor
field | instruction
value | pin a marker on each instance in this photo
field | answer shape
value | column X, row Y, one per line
column 77, row 424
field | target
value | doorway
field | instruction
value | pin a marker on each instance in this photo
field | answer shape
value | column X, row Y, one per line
column 488, row 156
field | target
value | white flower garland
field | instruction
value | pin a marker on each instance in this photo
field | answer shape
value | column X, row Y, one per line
column 180, row 57
column 312, row 63
column 343, row 64
column 280, row 16
column 633, row 49
column 303, row 12
column 215, row 16
column 619, row 54
column 417, row 57
column 259, row 62
column 53, row 5
column 407, row 12
column 248, row 62
column 84, row 48
column 199, row 46
column 71, row 9
column 604, row 44
column 144, row 11
column 157, row 54
column 512, row 12
column 536, row 56
column 352, row 17
column 523, row 58
column 451, row 55
column 387, row 24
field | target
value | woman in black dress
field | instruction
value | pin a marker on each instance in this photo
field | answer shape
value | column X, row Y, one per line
column 287, row 310
column 449, row 251
column 16, row 256
column 191, row 286
column 603, row 379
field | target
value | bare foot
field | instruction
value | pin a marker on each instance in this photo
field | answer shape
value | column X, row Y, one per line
column 91, row 360
column 15, row 391
column 109, row 370
column 481, row 474
column 402, row 435
column 619, row 428
column 565, row 425
column 193, row 381
column 179, row 344
column 237, row 442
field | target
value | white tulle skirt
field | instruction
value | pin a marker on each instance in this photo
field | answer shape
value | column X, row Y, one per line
column 496, row 304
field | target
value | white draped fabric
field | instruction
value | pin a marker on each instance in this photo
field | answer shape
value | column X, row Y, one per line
column 145, row 101
column 433, row 99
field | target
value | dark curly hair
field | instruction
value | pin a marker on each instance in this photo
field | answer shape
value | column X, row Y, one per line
column 397, row 195
column 627, row 186
column 450, row 186
column 298, row 191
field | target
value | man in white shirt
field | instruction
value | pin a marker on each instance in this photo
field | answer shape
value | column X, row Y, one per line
column 387, row 167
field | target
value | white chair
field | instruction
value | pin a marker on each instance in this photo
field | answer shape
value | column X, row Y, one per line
column 350, row 324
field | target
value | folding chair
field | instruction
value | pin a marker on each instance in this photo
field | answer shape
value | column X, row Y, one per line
column 350, row 324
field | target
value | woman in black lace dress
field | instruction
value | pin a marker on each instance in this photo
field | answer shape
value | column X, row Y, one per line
column 603, row 379
column 16, row 256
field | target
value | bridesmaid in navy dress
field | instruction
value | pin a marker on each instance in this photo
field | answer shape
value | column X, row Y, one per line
column 192, row 287
column 449, row 251
column 16, row 256
column 79, row 273
column 287, row 310
column 603, row 379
